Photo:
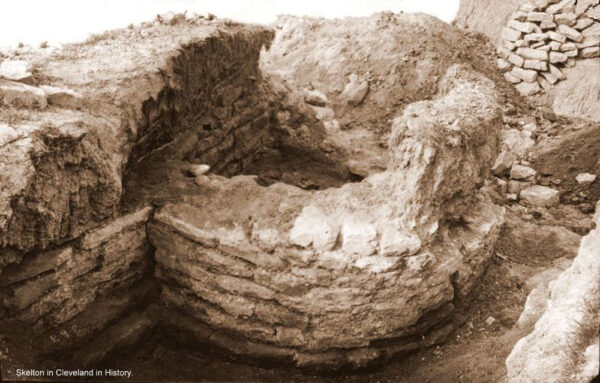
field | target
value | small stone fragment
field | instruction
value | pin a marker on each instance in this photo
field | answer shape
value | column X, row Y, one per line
column 585, row 178
column 503, row 163
column 522, row 173
column 199, row 170
column 355, row 90
column 314, row 97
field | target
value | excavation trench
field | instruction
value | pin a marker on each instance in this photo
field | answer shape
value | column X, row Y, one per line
column 283, row 251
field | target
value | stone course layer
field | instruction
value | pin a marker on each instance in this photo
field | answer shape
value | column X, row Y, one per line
column 545, row 36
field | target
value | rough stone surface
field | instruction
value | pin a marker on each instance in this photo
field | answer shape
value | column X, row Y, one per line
column 557, row 348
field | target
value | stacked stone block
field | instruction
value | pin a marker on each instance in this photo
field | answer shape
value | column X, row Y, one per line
column 545, row 36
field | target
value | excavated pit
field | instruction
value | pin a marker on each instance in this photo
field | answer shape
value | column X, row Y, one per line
column 284, row 251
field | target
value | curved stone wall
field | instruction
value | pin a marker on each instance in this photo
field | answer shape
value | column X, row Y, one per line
column 341, row 276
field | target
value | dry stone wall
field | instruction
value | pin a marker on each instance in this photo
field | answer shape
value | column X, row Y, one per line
column 543, row 37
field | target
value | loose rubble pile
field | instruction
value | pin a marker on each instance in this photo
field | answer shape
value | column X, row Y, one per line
column 545, row 36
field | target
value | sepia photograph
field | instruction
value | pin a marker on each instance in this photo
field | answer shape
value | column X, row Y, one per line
column 359, row 191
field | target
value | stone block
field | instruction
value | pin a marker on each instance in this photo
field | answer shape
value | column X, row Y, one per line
column 558, row 57
column 590, row 52
column 532, row 54
column 510, row 34
column 522, row 173
column 540, row 17
column 528, row 89
column 22, row 95
column 526, row 75
column 568, row 47
column 503, row 65
column 585, row 178
column 541, row 196
column 358, row 236
column 103, row 234
column 536, row 37
column 62, row 97
column 16, row 70
column 503, row 163
column 556, row 36
column 522, row 27
column 535, row 64
column 511, row 78
column 516, row 60
column 565, row 18
column 570, row 33
column 34, row 265
column 583, row 23
column 556, row 72
column 313, row 227
column 589, row 41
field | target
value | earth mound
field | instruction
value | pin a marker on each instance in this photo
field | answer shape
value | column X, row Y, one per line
column 371, row 67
